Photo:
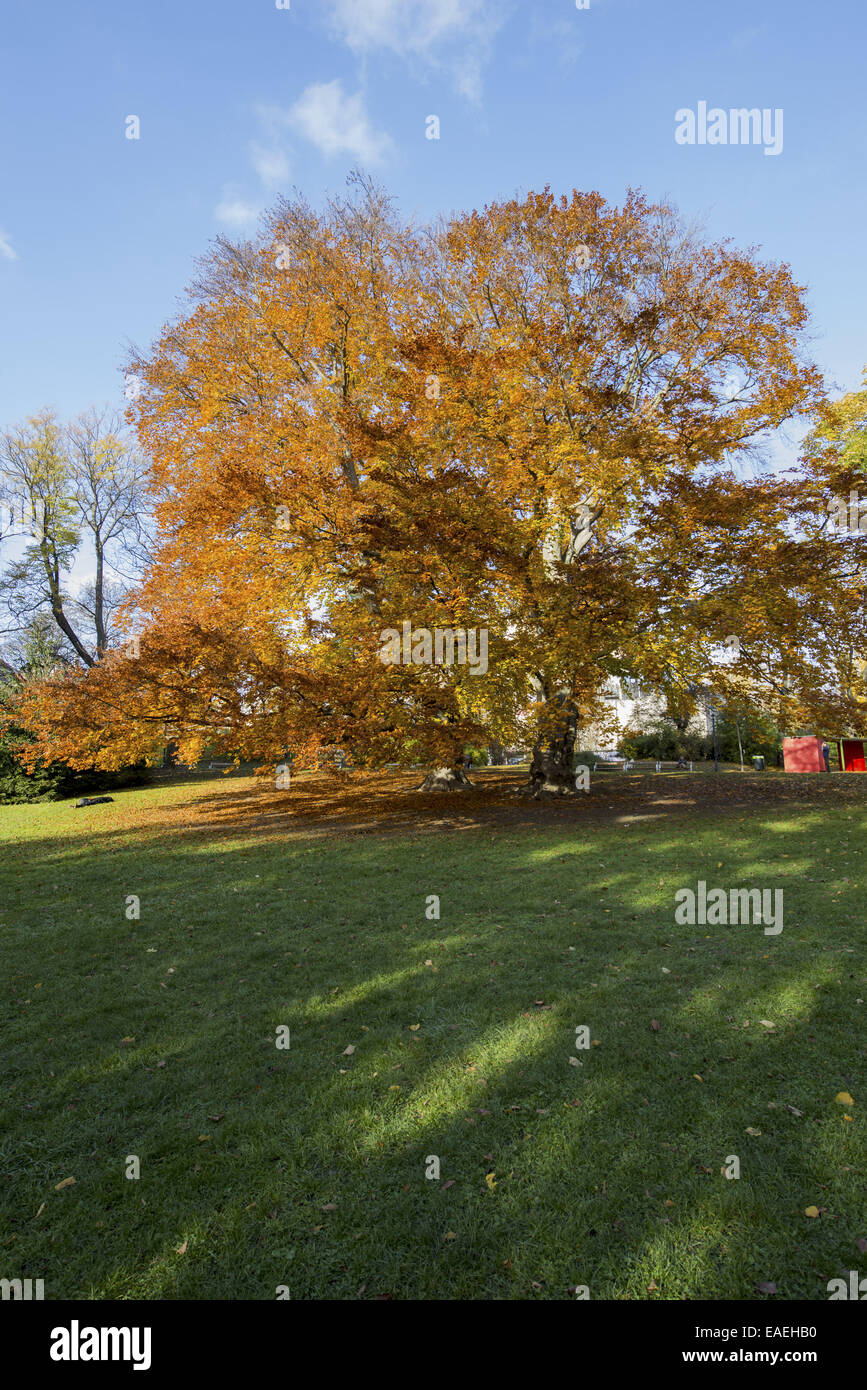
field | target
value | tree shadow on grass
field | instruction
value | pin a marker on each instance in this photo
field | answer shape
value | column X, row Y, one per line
column 269, row 1167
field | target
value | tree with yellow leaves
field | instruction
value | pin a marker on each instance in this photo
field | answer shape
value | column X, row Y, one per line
column 526, row 422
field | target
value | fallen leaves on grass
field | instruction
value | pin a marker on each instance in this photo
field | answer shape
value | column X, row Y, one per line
column 67, row 1182
column 844, row 1098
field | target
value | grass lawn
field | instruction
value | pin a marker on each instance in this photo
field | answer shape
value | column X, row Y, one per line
column 306, row 1166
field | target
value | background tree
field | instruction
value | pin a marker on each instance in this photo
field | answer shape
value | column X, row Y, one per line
column 74, row 492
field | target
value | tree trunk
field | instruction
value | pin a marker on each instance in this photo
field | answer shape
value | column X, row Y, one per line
column 496, row 754
column 551, row 770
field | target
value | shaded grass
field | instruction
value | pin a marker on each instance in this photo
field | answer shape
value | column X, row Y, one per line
column 126, row 1038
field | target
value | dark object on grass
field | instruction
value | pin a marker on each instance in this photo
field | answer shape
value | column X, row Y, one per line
column 92, row 800
column 446, row 779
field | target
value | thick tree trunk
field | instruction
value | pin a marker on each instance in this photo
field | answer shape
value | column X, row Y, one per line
column 551, row 771
column 496, row 754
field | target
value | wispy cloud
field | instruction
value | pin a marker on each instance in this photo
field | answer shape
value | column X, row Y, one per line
column 235, row 211
column 6, row 249
column 337, row 123
column 451, row 35
column 334, row 121
column 271, row 164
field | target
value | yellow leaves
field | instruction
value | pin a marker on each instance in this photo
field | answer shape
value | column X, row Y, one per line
column 754, row 1132
column 491, row 1180
column 697, row 1077
column 182, row 1249
column 67, row 1182
column 811, row 1211
column 844, row 1098
column 414, row 1027
column 449, row 1235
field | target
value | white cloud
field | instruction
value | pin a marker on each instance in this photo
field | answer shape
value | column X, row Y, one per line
column 331, row 119
column 451, row 34
column 271, row 164
column 234, row 211
column 404, row 26
column 6, row 249
column 337, row 123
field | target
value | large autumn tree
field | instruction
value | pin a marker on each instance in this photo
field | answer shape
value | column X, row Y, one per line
column 529, row 420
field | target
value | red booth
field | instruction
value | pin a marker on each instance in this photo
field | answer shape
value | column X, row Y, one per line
column 803, row 755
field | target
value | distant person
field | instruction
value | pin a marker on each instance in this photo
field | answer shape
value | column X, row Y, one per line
column 826, row 755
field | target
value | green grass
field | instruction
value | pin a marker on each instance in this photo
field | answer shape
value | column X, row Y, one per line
column 605, row 1174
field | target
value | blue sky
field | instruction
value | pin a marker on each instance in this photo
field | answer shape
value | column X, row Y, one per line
column 239, row 100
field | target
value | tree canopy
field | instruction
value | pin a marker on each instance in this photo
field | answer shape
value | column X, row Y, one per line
column 538, row 420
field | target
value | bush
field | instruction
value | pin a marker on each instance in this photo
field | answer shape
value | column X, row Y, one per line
column 16, row 785
column 55, row 780
column 665, row 741
column 585, row 757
